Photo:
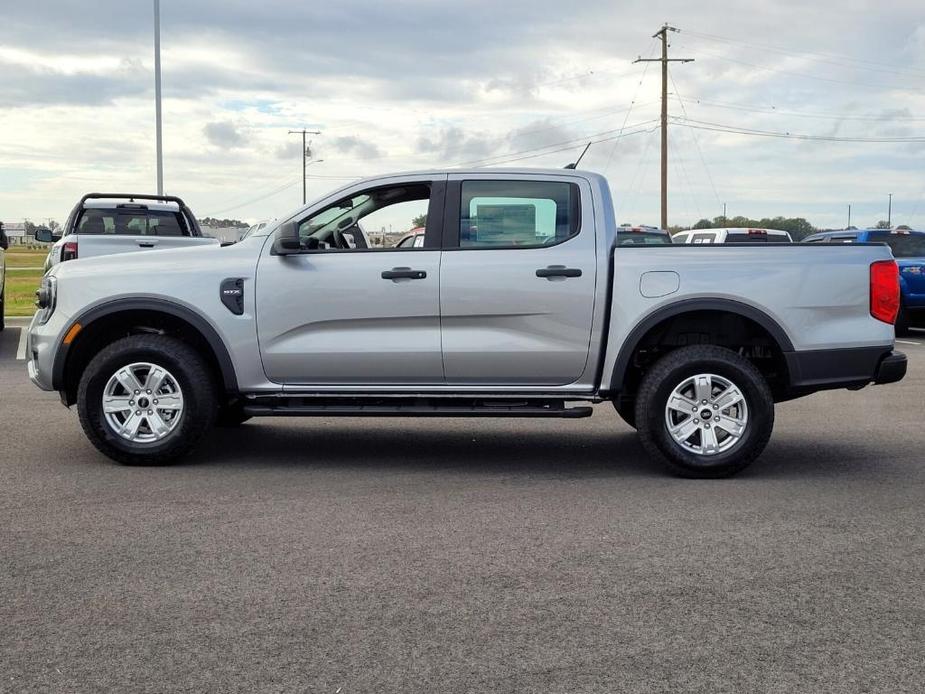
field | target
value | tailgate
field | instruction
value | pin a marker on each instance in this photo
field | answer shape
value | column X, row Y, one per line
column 94, row 245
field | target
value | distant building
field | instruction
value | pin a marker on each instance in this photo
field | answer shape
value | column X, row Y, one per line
column 16, row 233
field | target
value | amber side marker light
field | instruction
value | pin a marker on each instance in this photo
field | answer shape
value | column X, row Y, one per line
column 72, row 333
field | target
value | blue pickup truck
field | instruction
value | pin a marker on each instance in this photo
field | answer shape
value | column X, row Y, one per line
column 909, row 250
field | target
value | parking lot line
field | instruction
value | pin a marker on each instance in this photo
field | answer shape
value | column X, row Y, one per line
column 21, row 350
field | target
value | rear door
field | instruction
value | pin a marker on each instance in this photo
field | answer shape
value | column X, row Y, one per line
column 517, row 280
column 128, row 228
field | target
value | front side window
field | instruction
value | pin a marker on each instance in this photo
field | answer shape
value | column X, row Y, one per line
column 377, row 219
column 517, row 214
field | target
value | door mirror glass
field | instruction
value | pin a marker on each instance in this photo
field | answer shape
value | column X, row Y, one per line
column 45, row 235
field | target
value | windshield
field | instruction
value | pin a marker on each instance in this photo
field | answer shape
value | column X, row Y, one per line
column 642, row 238
column 902, row 245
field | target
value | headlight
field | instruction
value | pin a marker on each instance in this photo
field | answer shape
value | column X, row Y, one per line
column 45, row 298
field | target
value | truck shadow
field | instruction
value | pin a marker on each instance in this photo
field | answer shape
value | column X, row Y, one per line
column 571, row 453
column 503, row 450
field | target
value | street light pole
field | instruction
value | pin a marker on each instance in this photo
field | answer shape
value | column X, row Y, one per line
column 157, row 97
column 889, row 212
column 304, row 132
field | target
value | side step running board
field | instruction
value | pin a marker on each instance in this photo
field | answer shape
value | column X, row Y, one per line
column 409, row 407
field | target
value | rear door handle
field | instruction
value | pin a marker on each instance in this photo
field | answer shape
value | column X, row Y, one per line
column 403, row 273
column 558, row 271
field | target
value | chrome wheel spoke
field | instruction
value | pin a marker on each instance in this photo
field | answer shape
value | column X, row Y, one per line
column 682, row 404
column 169, row 402
column 142, row 403
column 154, row 379
column 117, row 404
column 729, row 397
column 703, row 388
column 129, row 381
column 682, row 432
column 129, row 428
column 708, row 441
column 731, row 425
column 157, row 425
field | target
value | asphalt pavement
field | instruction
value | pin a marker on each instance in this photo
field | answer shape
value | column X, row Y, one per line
column 465, row 555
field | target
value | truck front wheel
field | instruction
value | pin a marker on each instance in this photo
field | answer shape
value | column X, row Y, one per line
column 146, row 400
column 704, row 411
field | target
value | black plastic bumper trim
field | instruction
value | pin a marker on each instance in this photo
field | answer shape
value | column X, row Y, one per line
column 843, row 368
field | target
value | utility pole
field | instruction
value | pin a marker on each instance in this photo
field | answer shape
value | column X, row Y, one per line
column 664, row 60
column 849, row 217
column 724, row 214
column 889, row 212
column 305, row 154
column 157, row 97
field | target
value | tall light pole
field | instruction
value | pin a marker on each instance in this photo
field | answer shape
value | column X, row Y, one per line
column 157, row 97
column 849, row 217
column 305, row 154
column 889, row 212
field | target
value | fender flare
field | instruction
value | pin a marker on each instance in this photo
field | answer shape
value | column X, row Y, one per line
column 773, row 328
column 199, row 323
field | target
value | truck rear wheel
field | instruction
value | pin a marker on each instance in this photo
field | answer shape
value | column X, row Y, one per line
column 146, row 400
column 704, row 411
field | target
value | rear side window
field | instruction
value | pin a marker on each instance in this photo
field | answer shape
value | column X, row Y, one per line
column 517, row 214
column 642, row 238
column 131, row 223
column 743, row 237
column 703, row 238
column 902, row 245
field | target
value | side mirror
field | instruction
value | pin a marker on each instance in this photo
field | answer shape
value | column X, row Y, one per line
column 287, row 240
column 45, row 235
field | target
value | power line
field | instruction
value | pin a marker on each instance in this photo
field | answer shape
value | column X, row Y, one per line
column 721, row 127
column 802, row 114
column 645, row 70
column 693, row 135
column 257, row 199
column 839, row 60
column 565, row 144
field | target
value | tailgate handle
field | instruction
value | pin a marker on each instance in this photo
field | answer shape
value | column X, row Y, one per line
column 558, row 271
column 397, row 273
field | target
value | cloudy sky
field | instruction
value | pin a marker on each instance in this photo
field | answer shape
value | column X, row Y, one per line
column 409, row 84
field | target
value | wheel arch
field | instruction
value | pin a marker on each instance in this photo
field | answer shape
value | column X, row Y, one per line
column 127, row 314
column 663, row 316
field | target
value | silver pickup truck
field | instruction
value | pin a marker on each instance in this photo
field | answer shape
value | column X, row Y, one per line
column 111, row 223
column 519, row 303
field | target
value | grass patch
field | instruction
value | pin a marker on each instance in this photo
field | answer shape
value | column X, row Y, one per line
column 33, row 259
column 19, row 297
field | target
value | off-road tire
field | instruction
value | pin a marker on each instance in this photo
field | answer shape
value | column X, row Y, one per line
column 666, row 374
column 192, row 375
column 231, row 415
column 626, row 408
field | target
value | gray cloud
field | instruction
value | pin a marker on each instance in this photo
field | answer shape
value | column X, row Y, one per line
column 224, row 134
column 452, row 145
column 351, row 144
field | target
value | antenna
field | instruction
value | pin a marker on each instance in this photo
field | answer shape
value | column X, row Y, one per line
column 575, row 164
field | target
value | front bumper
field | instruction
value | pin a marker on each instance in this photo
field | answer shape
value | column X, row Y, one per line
column 41, row 343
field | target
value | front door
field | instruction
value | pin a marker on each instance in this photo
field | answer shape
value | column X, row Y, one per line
column 352, row 308
column 517, row 280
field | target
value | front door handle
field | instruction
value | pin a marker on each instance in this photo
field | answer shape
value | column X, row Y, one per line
column 558, row 271
column 403, row 273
